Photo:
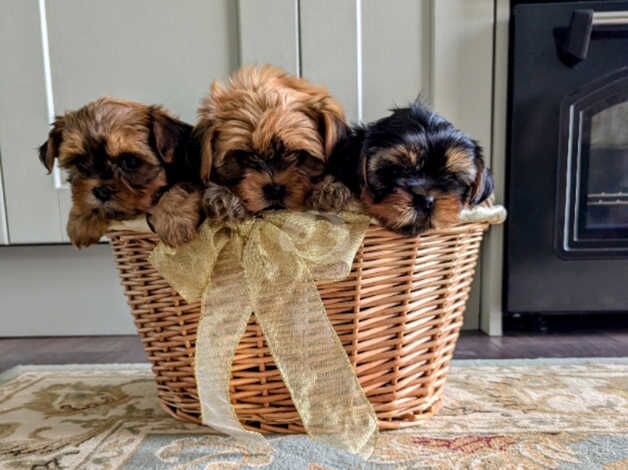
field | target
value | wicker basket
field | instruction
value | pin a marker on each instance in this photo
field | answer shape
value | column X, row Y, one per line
column 398, row 315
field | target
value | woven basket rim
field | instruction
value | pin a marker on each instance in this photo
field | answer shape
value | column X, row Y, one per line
column 451, row 229
column 492, row 215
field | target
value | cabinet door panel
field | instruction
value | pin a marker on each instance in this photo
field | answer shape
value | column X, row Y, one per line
column 31, row 203
column 154, row 51
column 462, row 66
column 329, row 53
column 396, row 54
column 269, row 33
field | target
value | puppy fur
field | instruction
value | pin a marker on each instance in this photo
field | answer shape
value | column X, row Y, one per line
column 123, row 160
column 265, row 137
column 413, row 170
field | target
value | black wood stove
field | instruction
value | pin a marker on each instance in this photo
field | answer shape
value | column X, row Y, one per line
column 567, row 233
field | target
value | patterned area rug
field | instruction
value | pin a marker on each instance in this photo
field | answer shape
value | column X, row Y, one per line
column 563, row 414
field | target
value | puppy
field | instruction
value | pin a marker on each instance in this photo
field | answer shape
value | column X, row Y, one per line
column 412, row 170
column 265, row 137
column 123, row 160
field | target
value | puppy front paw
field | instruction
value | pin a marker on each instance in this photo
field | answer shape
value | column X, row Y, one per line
column 221, row 204
column 85, row 230
column 329, row 195
column 172, row 230
column 177, row 215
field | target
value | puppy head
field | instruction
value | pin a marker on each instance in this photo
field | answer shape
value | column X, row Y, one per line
column 418, row 171
column 115, row 153
column 267, row 135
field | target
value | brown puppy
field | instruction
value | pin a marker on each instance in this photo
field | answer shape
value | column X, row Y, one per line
column 123, row 160
column 265, row 137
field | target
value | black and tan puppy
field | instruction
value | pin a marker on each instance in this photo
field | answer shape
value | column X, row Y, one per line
column 265, row 137
column 123, row 160
column 413, row 170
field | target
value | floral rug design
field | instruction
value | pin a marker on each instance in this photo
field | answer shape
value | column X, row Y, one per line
column 536, row 414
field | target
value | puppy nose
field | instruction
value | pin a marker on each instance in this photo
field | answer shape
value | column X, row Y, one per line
column 274, row 192
column 425, row 202
column 103, row 193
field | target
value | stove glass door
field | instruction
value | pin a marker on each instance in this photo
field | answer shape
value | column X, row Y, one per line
column 595, row 171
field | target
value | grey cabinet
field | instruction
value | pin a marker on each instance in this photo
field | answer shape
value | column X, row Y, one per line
column 372, row 54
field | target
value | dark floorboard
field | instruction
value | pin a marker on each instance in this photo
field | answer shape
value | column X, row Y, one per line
column 472, row 345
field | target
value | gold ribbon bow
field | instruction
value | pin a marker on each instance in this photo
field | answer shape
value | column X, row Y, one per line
column 268, row 266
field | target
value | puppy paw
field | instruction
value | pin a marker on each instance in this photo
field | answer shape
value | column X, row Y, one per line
column 84, row 230
column 177, row 215
column 221, row 204
column 330, row 195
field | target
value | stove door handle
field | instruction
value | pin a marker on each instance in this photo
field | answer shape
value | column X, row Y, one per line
column 578, row 39
column 610, row 18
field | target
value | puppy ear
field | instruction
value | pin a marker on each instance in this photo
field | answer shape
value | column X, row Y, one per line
column 483, row 185
column 204, row 132
column 204, row 135
column 331, row 124
column 49, row 150
column 347, row 161
column 168, row 134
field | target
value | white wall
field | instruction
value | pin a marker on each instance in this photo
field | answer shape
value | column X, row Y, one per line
column 58, row 290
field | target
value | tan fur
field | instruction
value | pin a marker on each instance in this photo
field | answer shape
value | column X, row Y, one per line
column 330, row 195
column 394, row 211
column 221, row 204
column 85, row 229
column 460, row 161
column 250, row 189
column 123, row 124
column 399, row 154
column 446, row 212
column 259, row 108
column 176, row 217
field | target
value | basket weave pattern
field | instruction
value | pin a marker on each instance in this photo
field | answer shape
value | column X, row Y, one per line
column 398, row 316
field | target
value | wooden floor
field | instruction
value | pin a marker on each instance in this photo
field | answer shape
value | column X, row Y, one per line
column 472, row 345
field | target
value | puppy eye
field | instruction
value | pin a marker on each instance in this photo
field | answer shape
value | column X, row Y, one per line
column 239, row 155
column 129, row 162
column 254, row 165
column 254, row 162
column 390, row 172
column 302, row 157
column 244, row 159
column 313, row 165
column 82, row 166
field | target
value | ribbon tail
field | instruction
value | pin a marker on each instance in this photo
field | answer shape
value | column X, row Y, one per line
column 225, row 312
column 313, row 363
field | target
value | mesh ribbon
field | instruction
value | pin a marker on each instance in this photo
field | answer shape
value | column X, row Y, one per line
column 268, row 266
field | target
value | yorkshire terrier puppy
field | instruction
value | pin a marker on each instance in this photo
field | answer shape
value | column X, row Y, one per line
column 124, row 160
column 412, row 170
column 265, row 137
